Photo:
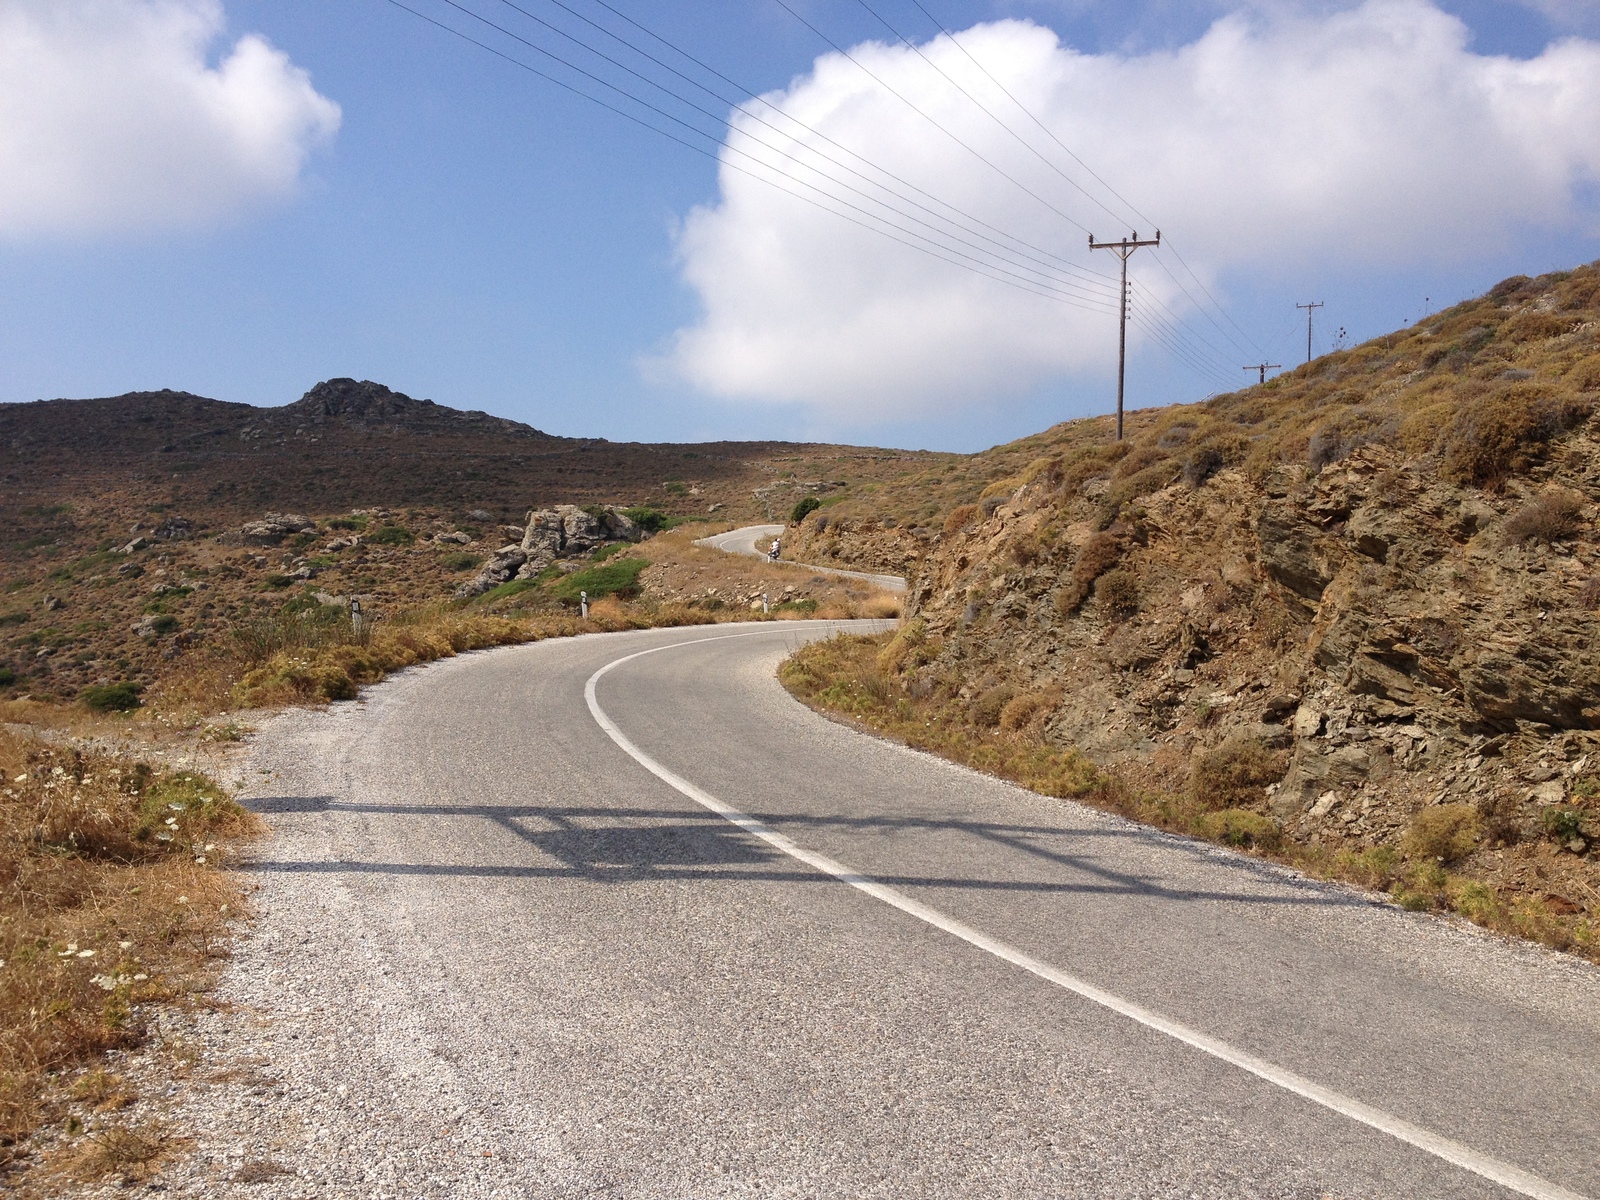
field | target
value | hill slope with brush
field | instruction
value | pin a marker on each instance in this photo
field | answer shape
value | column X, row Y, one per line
column 1353, row 610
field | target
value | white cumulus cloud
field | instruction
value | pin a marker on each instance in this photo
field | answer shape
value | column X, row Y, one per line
column 1279, row 139
column 112, row 119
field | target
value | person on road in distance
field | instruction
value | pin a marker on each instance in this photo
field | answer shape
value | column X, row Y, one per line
column 772, row 555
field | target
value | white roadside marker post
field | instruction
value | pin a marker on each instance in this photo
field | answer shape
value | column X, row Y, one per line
column 583, row 603
column 355, row 617
column 764, row 608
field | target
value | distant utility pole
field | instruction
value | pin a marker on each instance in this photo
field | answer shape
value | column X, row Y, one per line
column 1310, row 309
column 1123, row 250
column 1263, row 368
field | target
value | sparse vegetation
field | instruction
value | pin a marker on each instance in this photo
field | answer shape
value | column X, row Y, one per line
column 112, row 901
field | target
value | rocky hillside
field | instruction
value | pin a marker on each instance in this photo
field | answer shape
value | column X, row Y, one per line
column 1366, row 589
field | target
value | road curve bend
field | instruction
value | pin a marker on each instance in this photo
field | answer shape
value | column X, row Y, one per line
column 752, row 541
column 615, row 915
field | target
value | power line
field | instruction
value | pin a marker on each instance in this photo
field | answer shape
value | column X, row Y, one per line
column 1045, row 288
column 1051, row 134
column 1039, row 279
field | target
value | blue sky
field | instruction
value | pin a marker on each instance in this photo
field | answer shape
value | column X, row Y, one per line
column 472, row 234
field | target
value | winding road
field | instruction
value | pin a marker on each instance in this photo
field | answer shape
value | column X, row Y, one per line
column 615, row 916
column 752, row 541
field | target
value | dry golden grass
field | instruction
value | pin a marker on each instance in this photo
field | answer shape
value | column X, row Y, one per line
column 110, row 898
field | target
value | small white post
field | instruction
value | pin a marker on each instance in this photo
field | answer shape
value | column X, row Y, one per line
column 583, row 601
column 355, row 616
column 764, row 608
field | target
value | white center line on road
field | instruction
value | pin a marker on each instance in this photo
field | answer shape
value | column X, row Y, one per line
column 1503, row 1173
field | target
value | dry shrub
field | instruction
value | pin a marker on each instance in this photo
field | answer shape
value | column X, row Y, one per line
column 1551, row 516
column 1201, row 465
column 132, row 1152
column 1102, row 552
column 1239, row 827
column 1346, row 433
column 1043, row 470
column 1446, row 833
column 1503, row 433
column 1020, row 710
column 960, row 517
column 1139, row 460
column 1585, row 374
column 1535, row 327
column 1116, row 595
column 904, row 647
column 1589, row 593
column 1234, row 775
column 986, row 709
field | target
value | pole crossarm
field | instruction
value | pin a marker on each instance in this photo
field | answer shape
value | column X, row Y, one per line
column 1263, row 368
column 1124, row 250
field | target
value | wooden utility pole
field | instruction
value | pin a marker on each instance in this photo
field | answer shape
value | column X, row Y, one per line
column 1310, row 308
column 1123, row 250
column 1263, row 368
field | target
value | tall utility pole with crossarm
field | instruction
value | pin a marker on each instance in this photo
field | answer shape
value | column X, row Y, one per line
column 1123, row 250
column 1310, row 312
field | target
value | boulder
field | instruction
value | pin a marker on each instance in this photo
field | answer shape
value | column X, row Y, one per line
column 502, row 568
column 1289, row 554
column 274, row 527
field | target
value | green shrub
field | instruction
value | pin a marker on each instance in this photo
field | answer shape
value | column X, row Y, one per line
column 392, row 535
column 1234, row 775
column 1240, row 827
column 461, row 561
column 807, row 506
column 619, row 577
column 277, row 581
column 606, row 552
column 7, row 676
column 14, row 618
column 1443, row 833
column 1563, row 824
column 113, row 697
column 351, row 522
column 651, row 520
column 676, row 487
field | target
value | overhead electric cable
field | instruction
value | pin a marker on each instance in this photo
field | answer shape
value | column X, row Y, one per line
column 738, row 106
column 923, row 244
column 1067, row 286
column 975, row 153
column 1045, row 288
column 1051, row 134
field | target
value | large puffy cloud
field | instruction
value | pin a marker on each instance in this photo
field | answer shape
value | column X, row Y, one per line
column 111, row 118
column 1272, row 142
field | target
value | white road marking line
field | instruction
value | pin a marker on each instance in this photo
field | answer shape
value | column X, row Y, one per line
column 1503, row 1173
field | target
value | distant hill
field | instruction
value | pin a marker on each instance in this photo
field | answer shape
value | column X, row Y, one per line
column 347, row 444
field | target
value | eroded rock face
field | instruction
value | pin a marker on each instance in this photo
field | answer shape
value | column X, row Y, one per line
column 1374, row 624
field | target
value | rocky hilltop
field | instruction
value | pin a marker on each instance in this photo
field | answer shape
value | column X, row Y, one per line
column 1368, row 588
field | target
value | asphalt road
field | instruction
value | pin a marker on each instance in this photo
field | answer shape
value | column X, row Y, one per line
column 681, row 937
column 752, row 541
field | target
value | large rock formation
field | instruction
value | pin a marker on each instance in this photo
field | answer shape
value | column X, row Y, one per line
column 565, row 531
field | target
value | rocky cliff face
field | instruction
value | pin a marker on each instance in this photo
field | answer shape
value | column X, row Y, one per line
column 1374, row 582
